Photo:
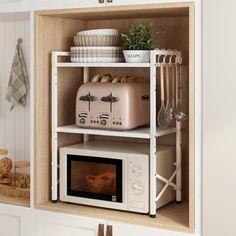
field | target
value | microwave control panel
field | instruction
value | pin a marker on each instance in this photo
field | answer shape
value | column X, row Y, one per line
column 138, row 184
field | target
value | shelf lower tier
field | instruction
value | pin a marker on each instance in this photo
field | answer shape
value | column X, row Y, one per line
column 171, row 217
column 142, row 132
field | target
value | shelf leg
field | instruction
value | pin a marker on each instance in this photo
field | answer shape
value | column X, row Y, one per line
column 54, row 166
column 54, row 124
column 86, row 74
column 179, row 161
column 152, row 177
column 86, row 80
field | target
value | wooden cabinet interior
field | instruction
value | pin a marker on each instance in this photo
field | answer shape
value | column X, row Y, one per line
column 54, row 32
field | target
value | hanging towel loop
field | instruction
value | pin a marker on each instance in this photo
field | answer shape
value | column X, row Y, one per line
column 18, row 85
column 19, row 41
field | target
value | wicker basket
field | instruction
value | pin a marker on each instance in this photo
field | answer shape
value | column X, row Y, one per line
column 14, row 191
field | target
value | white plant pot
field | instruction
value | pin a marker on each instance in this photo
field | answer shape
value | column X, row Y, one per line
column 136, row 56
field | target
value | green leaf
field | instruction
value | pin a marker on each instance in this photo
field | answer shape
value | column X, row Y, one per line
column 140, row 37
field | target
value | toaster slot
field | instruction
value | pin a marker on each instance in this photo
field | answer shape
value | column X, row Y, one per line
column 110, row 99
column 100, row 110
column 88, row 98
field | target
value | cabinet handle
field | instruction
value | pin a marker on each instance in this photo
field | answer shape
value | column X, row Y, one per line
column 101, row 230
column 109, row 230
column 101, row 1
column 109, row 1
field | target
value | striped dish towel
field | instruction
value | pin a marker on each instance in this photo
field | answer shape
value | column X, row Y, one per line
column 18, row 85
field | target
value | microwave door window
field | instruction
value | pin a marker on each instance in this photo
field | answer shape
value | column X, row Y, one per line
column 93, row 177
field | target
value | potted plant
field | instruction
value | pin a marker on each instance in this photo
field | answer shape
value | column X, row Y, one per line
column 138, row 42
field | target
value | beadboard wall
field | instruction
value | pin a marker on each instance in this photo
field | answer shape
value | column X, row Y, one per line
column 14, row 125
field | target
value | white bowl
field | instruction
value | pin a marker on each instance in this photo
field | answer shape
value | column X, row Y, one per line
column 95, row 40
column 96, row 54
column 99, row 32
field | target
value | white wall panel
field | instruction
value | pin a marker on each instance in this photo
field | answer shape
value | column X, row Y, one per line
column 14, row 125
column 219, row 118
column 14, row 5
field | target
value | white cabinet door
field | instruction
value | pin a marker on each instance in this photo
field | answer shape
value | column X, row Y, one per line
column 62, row 4
column 120, row 229
column 50, row 224
column 16, row 221
column 14, row 5
column 137, row 2
column 219, row 115
column 9, row 225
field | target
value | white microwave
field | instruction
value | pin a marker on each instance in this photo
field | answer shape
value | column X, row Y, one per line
column 106, row 174
column 110, row 175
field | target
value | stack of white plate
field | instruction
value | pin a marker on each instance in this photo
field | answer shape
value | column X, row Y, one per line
column 99, row 45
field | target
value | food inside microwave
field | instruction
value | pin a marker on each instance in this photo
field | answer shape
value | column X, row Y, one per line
column 94, row 178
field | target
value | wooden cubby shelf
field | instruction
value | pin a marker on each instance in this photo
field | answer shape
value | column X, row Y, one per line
column 171, row 217
column 54, row 33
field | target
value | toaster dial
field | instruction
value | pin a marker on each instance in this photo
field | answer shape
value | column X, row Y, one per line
column 82, row 121
column 103, row 122
column 104, row 119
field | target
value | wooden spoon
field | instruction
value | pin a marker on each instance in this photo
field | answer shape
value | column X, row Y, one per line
column 168, row 106
column 162, row 121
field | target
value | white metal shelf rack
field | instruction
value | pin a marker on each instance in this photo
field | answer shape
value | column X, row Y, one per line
column 151, row 133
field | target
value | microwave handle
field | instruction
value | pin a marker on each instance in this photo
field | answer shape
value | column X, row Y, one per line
column 109, row 230
column 101, row 230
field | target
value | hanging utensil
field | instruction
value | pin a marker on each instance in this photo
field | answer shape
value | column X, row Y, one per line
column 180, row 86
column 168, row 106
column 161, row 118
column 179, row 115
column 176, row 86
column 173, row 88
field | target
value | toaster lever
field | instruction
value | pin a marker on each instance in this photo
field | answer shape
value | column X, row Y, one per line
column 88, row 98
column 109, row 98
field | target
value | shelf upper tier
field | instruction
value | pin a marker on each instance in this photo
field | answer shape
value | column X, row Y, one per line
column 122, row 64
column 142, row 132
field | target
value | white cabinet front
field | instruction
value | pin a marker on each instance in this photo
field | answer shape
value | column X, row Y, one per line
column 137, row 2
column 61, row 4
column 121, row 229
column 50, row 224
column 14, row 5
column 10, row 225
column 61, row 230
